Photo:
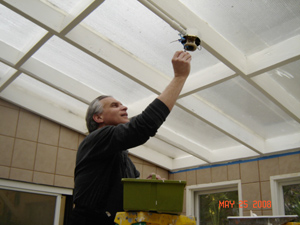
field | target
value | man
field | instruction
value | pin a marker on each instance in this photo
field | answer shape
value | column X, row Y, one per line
column 102, row 158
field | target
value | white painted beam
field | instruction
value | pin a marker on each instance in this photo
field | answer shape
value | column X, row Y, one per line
column 223, row 123
column 283, row 143
column 47, row 106
column 187, row 162
column 10, row 54
column 279, row 94
column 183, row 143
column 206, row 77
column 50, row 16
column 152, row 156
column 58, row 80
column 274, row 55
column 232, row 153
column 212, row 41
column 118, row 58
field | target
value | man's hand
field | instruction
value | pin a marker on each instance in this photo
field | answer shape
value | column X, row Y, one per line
column 181, row 63
column 157, row 177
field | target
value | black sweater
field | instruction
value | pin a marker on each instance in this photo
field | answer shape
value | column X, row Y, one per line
column 102, row 159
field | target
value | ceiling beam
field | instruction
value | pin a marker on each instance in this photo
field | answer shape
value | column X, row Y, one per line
column 225, row 124
column 212, row 41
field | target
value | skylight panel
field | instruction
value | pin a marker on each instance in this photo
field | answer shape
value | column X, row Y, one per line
column 91, row 72
column 245, row 104
column 250, row 25
column 47, row 101
column 197, row 131
column 287, row 76
column 17, row 31
column 135, row 28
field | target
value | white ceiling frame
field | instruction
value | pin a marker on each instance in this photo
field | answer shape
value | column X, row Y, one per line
column 283, row 143
column 117, row 58
column 43, row 107
column 210, row 39
column 289, row 103
column 206, row 78
column 52, row 17
column 223, row 123
column 59, row 80
column 120, row 59
column 285, row 51
column 153, row 156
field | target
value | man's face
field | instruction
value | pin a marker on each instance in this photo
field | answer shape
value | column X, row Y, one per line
column 114, row 112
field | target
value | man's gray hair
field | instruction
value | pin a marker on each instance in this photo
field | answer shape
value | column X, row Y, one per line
column 95, row 107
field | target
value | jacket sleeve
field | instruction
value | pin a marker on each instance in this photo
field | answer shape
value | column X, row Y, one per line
column 136, row 132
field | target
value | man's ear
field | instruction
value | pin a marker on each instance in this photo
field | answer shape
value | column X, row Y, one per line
column 97, row 118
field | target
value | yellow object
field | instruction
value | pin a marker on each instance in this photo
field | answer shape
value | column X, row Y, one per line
column 292, row 223
column 149, row 218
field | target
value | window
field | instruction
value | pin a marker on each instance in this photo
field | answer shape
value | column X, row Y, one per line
column 212, row 203
column 291, row 198
column 30, row 204
column 285, row 191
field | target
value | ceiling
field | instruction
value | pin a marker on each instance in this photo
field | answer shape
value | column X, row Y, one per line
column 242, row 99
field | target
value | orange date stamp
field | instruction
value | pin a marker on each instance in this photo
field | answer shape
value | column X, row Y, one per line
column 244, row 204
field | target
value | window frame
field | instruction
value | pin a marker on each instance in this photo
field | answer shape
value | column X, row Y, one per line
column 276, row 184
column 193, row 192
column 39, row 189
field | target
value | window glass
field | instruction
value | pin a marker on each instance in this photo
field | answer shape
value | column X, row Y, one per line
column 214, row 208
column 291, row 195
column 22, row 208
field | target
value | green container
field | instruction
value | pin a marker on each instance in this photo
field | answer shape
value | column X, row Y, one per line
column 162, row 196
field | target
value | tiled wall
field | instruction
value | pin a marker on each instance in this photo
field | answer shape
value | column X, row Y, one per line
column 37, row 150
column 254, row 176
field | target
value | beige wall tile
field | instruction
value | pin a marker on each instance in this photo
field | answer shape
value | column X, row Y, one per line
column 289, row 164
column 180, row 176
column 251, row 193
column 4, row 171
column 147, row 170
column 49, row 132
column 24, row 154
column 20, row 174
column 162, row 172
column 65, row 162
column 203, row 176
column 265, row 191
column 6, row 150
column 267, row 168
column 63, row 181
column 234, row 172
column 80, row 138
column 139, row 167
column 171, row 176
column 68, row 138
column 43, row 178
column 191, row 177
column 249, row 172
column 7, row 104
column 267, row 212
column 219, row 174
column 45, row 158
column 28, row 126
column 8, row 121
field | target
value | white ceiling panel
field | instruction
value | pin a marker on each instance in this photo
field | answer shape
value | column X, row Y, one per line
column 250, row 25
column 243, row 103
column 242, row 99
